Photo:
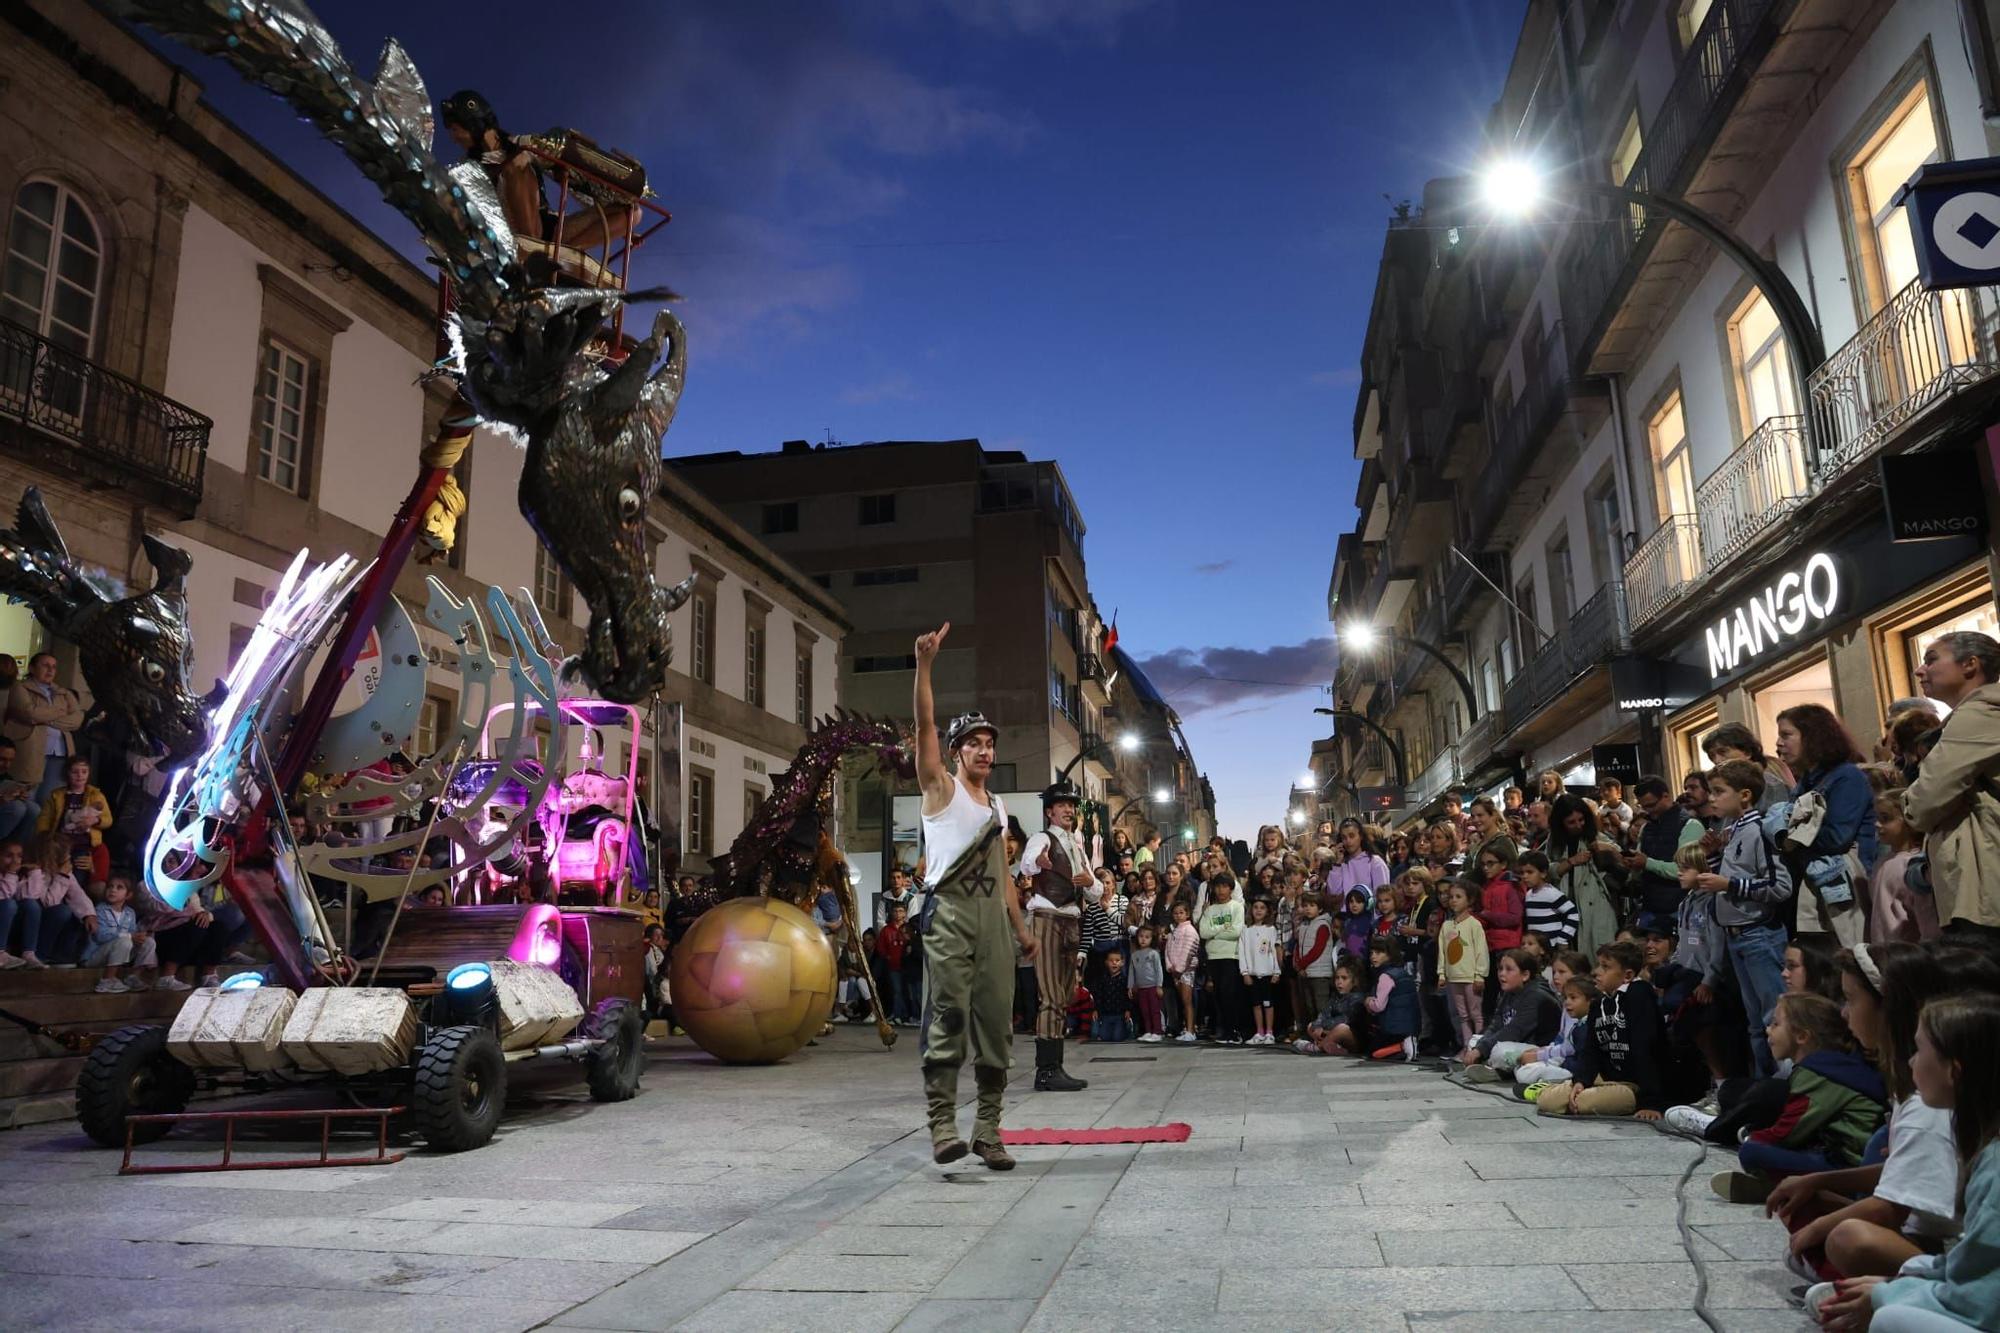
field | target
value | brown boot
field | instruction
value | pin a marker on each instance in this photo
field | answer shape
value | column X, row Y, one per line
column 941, row 1097
column 986, row 1122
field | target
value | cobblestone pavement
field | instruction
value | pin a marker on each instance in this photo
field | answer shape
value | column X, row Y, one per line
column 1314, row 1193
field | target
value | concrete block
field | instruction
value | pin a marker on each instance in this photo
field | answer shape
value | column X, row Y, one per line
column 536, row 1005
column 232, row 1029
column 351, row 1029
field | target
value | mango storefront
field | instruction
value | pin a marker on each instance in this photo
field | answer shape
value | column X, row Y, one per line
column 1842, row 623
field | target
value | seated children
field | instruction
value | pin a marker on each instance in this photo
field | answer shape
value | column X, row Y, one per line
column 1341, row 1021
column 1542, row 1065
column 117, row 939
column 1615, row 1070
column 1393, row 1006
column 1954, row 1071
column 1833, row 1104
column 1527, row 1015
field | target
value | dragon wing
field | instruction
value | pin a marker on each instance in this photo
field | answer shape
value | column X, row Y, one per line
column 384, row 127
column 36, row 570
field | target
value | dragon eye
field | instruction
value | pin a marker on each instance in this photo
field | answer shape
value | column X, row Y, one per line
column 154, row 673
column 628, row 504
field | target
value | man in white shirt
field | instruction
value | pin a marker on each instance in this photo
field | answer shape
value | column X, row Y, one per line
column 1058, row 871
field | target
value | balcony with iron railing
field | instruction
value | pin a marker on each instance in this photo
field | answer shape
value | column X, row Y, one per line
column 1605, row 258
column 65, row 411
column 1905, row 363
column 1599, row 631
column 1437, row 777
column 1765, row 478
column 1919, row 349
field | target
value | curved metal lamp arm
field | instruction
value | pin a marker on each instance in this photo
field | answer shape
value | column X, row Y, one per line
column 1395, row 750
column 1464, row 681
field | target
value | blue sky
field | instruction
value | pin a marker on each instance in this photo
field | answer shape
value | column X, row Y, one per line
column 1135, row 236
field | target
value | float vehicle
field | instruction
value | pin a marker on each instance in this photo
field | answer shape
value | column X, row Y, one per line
column 320, row 714
column 428, row 1007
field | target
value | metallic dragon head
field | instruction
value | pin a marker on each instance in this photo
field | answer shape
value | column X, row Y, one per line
column 137, row 657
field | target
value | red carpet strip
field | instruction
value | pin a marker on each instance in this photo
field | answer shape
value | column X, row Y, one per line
column 1174, row 1133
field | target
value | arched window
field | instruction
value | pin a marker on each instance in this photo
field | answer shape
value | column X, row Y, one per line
column 55, row 266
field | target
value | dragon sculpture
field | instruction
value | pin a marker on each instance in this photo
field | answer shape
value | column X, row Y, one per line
column 784, row 848
column 529, row 358
column 135, row 651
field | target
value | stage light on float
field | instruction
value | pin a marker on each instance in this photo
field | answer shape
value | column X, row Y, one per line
column 468, row 997
column 244, row 981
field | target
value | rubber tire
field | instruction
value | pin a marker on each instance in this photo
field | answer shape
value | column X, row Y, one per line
column 132, row 1060
column 613, row 1069
column 453, row 1061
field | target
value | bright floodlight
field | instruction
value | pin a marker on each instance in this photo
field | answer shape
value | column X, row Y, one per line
column 1298, row 817
column 1188, row 833
column 1361, row 638
column 1163, row 796
column 1307, row 780
column 1512, row 186
column 1129, row 742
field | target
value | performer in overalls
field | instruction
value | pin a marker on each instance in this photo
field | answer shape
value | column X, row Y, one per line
column 968, row 952
column 1060, row 882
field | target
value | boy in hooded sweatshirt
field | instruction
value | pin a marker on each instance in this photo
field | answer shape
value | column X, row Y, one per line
column 1617, row 1067
column 1834, row 1101
column 1527, row 1015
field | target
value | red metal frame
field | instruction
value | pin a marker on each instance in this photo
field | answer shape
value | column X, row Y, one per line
column 229, row 1119
column 632, row 240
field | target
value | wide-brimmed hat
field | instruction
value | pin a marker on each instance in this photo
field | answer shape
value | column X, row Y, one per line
column 1058, row 792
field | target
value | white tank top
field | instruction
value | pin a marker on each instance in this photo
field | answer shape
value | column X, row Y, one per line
column 951, row 831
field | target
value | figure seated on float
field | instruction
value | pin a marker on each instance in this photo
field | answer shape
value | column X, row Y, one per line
column 587, row 826
column 610, row 185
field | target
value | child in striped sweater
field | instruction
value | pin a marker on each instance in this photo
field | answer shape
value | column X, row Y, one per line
column 1550, row 913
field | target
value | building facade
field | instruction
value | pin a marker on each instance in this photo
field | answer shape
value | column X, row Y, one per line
column 1655, row 513
column 195, row 342
column 911, row 534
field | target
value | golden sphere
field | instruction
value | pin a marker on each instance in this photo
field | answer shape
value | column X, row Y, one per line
column 753, row 980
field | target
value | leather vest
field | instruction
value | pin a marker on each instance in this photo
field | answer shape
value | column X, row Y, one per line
column 1055, row 882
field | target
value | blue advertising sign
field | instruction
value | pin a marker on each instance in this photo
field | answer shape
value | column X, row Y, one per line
column 1954, row 213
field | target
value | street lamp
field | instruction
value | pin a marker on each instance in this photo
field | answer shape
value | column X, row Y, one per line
column 1514, row 186
column 1395, row 750
column 1130, row 742
column 1363, row 638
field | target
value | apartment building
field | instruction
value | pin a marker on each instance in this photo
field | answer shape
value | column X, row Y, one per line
column 195, row 342
column 911, row 534
column 1673, row 511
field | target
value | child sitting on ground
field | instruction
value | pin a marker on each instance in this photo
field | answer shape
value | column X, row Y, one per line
column 1548, row 909
column 1527, row 1015
column 1462, row 960
column 1393, row 1006
column 1954, row 1071
column 1542, row 1065
column 1183, row 959
column 1338, row 1028
column 1834, row 1103
column 1148, row 974
column 1615, row 1070
column 117, row 940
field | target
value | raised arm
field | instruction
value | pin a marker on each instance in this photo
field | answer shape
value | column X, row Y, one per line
column 931, row 774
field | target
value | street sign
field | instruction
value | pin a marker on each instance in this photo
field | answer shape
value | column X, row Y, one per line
column 1932, row 495
column 1380, row 800
column 1616, row 761
column 1954, row 213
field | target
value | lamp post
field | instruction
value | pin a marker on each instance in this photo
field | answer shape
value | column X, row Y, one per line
column 1363, row 638
column 1515, row 187
column 1395, row 750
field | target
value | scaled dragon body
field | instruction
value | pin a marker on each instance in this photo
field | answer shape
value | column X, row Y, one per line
column 135, row 650
column 526, row 353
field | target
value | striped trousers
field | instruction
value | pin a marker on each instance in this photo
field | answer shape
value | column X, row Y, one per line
column 1056, row 938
